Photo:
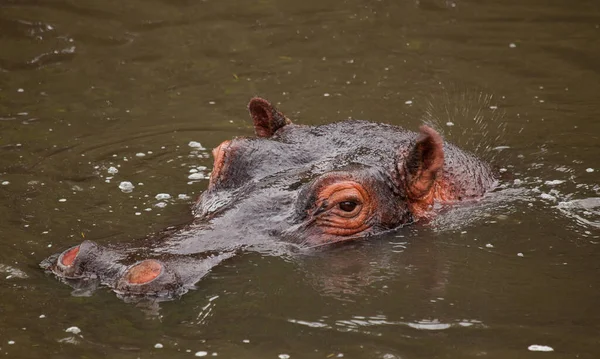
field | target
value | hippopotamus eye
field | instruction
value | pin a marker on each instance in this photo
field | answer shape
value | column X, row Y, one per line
column 347, row 206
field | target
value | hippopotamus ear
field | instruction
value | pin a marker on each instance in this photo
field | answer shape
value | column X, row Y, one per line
column 424, row 162
column 267, row 120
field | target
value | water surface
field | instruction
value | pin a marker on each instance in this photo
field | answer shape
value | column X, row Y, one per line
column 85, row 86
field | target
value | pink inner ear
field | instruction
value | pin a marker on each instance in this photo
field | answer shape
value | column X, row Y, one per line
column 267, row 120
column 262, row 115
column 424, row 162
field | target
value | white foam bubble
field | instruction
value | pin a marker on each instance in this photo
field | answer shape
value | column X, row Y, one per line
column 162, row 196
column 73, row 329
column 194, row 144
column 540, row 348
column 126, row 187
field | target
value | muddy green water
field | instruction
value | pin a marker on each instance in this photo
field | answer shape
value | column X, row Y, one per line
column 88, row 85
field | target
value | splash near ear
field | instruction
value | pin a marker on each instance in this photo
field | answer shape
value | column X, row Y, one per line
column 423, row 163
column 267, row 120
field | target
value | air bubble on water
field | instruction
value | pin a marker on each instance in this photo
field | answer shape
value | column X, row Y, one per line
column 493, row 107
column 548, row 197
column 126, row 187
column 540, row 348
column 194, row 144
column 147, row 209
column 112, row 170
column 20, row 90
column 158, row 346
column 183, row 196
column 162, row 196
column 42, row 316
column 140, row 154
column 73, row 329
column 326, row 94
column 489, row 245
column 246, row 341
column 197, row 176
column 517, row 181
column 409, row 102
column 589, row 170
column 520, row 254
column 5, row 183
column 138, row 213
column 512, row 45
column 193, row 170
column 502, row 170
column 449, row 124
column 553, row 182
column 284, row 356
column 11, row 342
column 160, row 205
column 62, row 200
column 201, row 354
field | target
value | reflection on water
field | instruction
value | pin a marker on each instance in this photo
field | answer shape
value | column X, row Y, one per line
column 96, row 94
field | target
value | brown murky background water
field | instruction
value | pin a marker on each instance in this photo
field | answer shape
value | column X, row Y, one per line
column 88, row 85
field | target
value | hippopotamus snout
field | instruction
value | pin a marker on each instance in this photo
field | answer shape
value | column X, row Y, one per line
column 89, row 264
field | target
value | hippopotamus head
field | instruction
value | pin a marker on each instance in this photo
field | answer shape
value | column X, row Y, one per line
column 303, row 186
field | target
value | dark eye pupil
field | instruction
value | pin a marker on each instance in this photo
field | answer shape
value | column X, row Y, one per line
column 347, row 206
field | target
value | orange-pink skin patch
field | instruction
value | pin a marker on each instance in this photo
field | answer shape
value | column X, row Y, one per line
column 69, row 256
column 144, row 272
column 441, row 192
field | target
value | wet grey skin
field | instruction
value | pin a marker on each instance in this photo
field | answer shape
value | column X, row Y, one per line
column 269, row 194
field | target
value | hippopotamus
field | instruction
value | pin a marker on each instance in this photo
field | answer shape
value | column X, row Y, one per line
column 291, row 188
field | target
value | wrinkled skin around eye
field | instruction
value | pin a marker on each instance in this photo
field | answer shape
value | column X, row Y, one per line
column 335, row 221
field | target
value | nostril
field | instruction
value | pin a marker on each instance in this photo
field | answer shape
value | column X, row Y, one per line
column 68, row 256
column 143, row 272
